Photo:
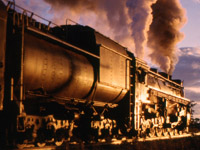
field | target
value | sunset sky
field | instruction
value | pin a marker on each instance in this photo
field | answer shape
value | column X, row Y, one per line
column 188, row 67
column 191, row 29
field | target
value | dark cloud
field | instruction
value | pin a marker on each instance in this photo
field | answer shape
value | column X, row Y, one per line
column 188, row 67
column 188, row 70
column 193, row 95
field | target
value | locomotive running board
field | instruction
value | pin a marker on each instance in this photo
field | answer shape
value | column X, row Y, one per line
column 75, row 100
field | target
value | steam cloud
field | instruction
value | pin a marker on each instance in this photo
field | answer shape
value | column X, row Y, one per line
column 140, row 12
column 108, row 16
column 137, row 24
column 168, row 18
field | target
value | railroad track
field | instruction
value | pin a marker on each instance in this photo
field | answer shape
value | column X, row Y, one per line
column 74, row 145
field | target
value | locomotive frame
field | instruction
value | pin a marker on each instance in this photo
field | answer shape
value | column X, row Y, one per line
column 62, row 83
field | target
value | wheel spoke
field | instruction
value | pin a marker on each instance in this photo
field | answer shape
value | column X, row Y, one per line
column 171, row 132
column 159, row 132
column 165, row 132
column 152, row 132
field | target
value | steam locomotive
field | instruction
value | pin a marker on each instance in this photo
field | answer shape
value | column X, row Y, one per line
column 71, row 83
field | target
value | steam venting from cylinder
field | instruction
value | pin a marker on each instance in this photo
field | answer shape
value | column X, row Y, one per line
column 140, row 25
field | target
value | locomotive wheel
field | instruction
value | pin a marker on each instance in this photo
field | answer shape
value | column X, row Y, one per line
column 176, row 132
column 59, row 143
column 181, row 132
column 152, row 132
column 21, row 146
column 21, row 143
column 159, row 132
column 59, row 137
column 171, row 132
column 40, row 144
column 165, row 132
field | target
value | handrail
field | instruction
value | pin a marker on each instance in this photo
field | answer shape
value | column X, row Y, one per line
column 32, row 14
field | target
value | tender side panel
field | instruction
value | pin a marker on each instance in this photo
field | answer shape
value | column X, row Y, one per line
column 112, row 85
column 112, row 68
column 103, row 40
column 3, row 23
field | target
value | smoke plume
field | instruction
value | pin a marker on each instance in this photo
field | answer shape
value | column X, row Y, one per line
column 140, row 25
column 140, row 12
column 168, row 18
column 110, row 17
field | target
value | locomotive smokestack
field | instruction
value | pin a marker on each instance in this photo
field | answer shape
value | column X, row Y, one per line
column 164, row 34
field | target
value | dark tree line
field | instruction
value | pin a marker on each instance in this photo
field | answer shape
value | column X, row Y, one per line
column 195, row 122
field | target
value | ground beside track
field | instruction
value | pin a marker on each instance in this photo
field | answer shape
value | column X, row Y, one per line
column 186, row 142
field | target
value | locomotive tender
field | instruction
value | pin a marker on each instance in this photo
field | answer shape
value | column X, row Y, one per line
column 71, row 82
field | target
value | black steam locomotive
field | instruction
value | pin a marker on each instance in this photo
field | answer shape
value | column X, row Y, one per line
column 71, row 83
